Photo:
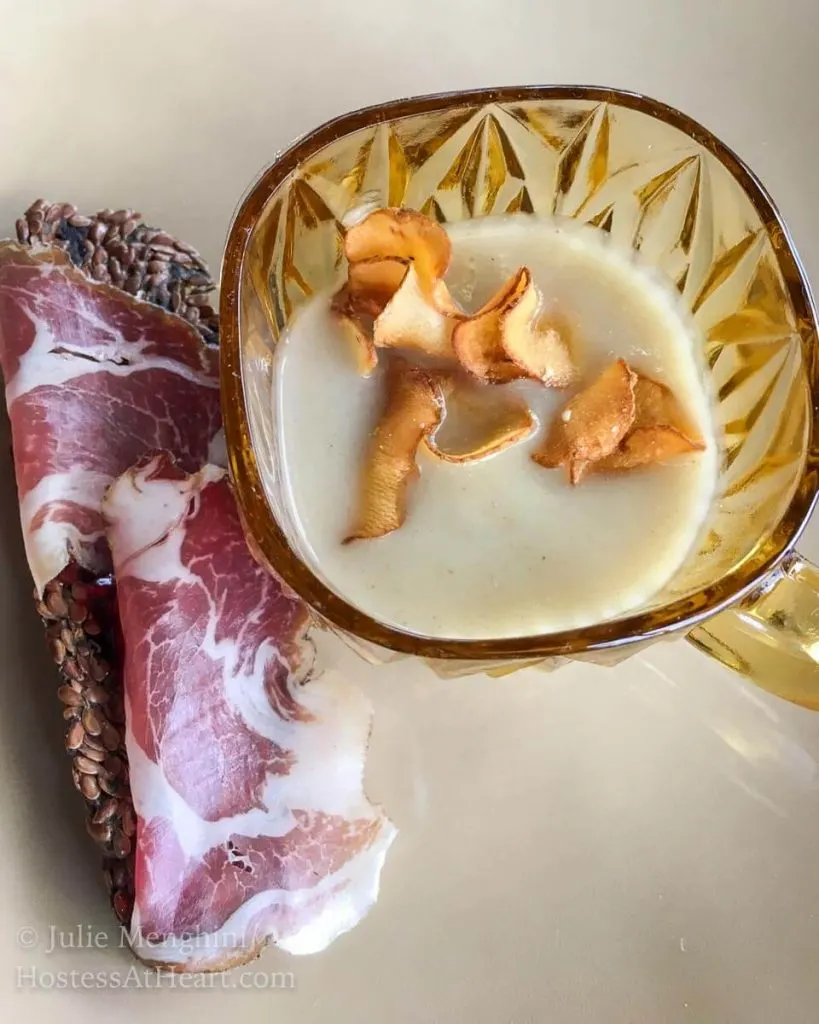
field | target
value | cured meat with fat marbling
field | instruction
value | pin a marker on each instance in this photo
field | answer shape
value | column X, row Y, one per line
column 252, row 821
column 94, row 378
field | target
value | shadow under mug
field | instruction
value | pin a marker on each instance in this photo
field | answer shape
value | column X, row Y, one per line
column 656, row 181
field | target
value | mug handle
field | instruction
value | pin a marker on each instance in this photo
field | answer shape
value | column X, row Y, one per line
column 772, row 636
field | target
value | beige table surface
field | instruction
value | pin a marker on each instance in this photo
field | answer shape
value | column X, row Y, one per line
column 633, row 845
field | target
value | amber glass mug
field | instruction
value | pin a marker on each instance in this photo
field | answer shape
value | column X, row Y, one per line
column 656, row 181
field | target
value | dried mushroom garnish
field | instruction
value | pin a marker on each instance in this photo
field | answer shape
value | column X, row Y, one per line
column 647, row 445
column 661, row 430
column 394, row 233
column 397, row 259
column 395, row 297
column 396, row 262
column 622, row 421
column 539, row 350
column 361, row 344
column 593, row 423
column 417, row 318
column 504, row 340
column 477, row 341
column 479, row 423
column 370, row 286
column 414, row 408
column 657, row 405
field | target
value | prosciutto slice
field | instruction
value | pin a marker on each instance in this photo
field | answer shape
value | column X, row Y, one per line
column 252, row 821
column 94, row 379
column 252, row 824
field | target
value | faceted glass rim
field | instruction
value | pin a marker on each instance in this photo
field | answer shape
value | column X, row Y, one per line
column 268, row 539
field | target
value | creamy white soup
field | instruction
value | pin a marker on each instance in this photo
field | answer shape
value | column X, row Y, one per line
column 502, row 547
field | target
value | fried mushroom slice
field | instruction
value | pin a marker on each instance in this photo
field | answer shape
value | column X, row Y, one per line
column 418, row 319
column 657, row 405
column 504, row 340
column 645, row 446
column 661, row 432
column 477, row 340
column 396, row 258
column 538, row 350
column 370, row 286
column 413, row 409
column 593, row 423
column 479, row 422
column 393, row 233
column 360, row 342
